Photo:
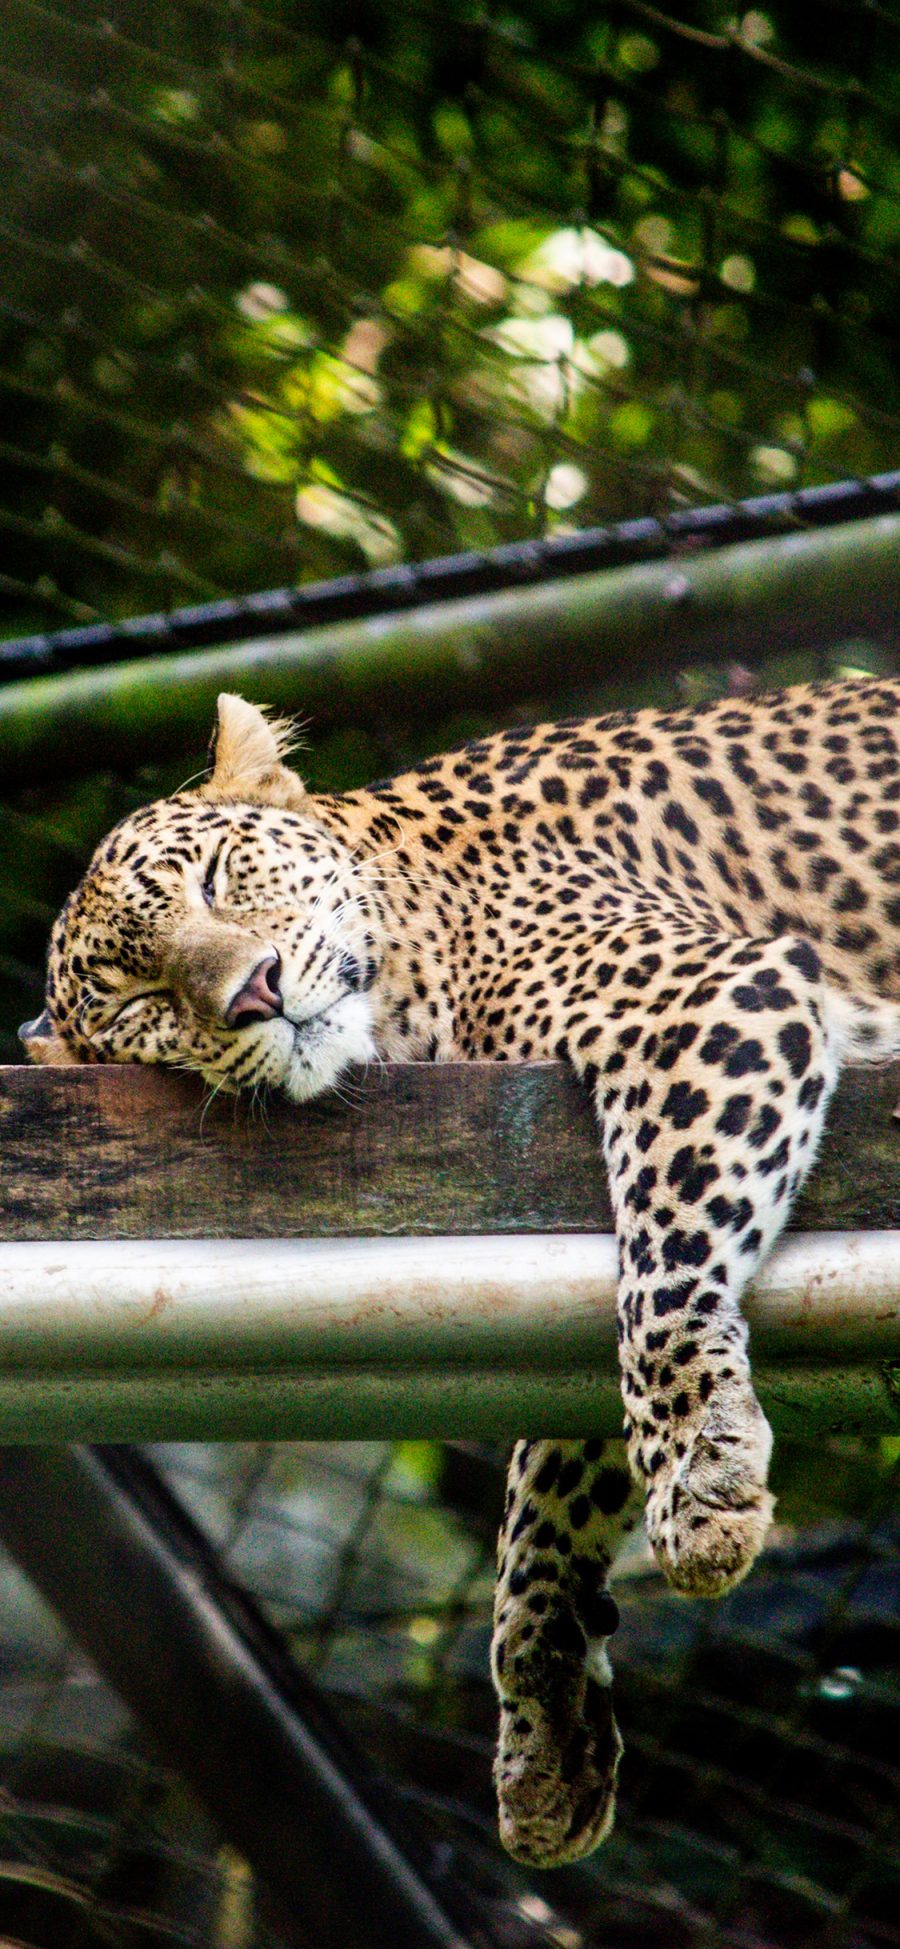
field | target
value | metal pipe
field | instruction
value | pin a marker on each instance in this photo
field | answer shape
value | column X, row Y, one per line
column 140, row 1590
column 443, row 578
column 279, row 1404
column 809, row 588
column 350, row 1338
column 428, row 1303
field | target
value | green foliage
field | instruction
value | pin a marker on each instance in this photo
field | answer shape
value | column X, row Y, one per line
column 284, row 303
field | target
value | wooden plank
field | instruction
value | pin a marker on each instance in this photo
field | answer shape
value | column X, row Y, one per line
column 125, row 1152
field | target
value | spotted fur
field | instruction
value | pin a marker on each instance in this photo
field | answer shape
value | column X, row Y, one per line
column 700, row 912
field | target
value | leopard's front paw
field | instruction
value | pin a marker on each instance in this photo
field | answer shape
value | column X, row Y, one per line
column 709, row 1510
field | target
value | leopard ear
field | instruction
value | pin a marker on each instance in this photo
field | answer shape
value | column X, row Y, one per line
column 244, row 760
column 42, row 1042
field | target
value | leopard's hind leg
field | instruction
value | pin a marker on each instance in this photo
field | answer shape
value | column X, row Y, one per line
column 568, row 1504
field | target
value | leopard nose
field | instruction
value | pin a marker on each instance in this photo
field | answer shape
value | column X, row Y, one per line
column 260, row 997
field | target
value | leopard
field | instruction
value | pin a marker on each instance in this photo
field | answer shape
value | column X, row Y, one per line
column 698, row 911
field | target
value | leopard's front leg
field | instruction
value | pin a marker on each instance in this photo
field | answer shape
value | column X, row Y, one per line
column 567, row 1505
column 711, row 1077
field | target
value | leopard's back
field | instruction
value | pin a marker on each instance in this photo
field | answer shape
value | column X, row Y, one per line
column 770, row 815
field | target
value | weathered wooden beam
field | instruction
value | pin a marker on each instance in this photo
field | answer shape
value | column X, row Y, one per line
column 131, row 1153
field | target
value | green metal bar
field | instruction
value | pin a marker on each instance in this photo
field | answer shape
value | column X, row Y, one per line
column 490, row 1405
column 801, row 589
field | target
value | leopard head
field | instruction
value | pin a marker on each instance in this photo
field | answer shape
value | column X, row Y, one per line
column 226, row 930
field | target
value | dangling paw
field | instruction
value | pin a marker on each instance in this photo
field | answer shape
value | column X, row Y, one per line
column 568, row 1505
column 709, row 1509
column 555, row 1773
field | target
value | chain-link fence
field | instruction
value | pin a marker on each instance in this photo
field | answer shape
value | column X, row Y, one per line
column 291, row 290
column 760, row 1787
column 286, row 294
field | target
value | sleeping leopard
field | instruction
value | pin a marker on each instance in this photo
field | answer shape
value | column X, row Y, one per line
column 699, row 910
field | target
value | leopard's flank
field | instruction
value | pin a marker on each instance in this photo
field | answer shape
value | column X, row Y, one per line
column 700, row 912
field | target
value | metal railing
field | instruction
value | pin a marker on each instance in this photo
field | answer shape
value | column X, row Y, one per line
column 431, row 1260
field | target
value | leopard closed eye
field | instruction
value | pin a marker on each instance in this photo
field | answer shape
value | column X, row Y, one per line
column 700, row 912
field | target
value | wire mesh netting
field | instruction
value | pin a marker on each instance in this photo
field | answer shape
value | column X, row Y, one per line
column 759, row 1791
column 100, row 1843
column 291, row 290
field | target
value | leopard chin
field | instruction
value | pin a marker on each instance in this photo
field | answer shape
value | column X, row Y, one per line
column 325, row 1047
